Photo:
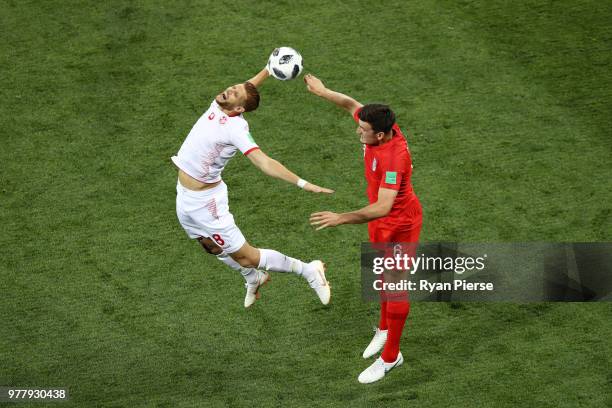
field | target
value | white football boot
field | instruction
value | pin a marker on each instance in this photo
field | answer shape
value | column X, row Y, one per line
column 315, row 275
column 377, row 343
column 252, row 289
column 378, row 369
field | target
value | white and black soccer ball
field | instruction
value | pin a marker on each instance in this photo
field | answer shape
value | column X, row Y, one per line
column 285, row 63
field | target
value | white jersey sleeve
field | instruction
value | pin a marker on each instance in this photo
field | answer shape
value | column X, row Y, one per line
column 241, row 137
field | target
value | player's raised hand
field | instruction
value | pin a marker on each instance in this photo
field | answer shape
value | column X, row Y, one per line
column 314, row 84
column 260, row 77
column 313, row 188
column 324, row 219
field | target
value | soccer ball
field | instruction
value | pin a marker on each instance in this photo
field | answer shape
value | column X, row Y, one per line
column 285, row 63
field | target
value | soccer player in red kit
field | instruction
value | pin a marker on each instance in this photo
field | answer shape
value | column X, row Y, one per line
column 393, row 215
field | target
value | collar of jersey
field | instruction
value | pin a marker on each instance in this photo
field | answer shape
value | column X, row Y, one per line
column 217, row 107
column 384, row 146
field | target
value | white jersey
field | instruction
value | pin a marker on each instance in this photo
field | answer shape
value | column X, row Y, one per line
column 213, row 140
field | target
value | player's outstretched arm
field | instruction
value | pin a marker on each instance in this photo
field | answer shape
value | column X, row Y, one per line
column 315, row 86
column 275, row 169
column 259, row 79
column 379, row 209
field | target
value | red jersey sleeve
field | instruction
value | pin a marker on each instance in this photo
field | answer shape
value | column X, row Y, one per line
column 392, row 180
column 392, row 168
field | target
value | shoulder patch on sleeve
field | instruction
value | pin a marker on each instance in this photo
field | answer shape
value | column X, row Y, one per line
column 391, row 177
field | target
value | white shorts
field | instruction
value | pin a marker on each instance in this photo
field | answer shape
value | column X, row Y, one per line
column 206, row 214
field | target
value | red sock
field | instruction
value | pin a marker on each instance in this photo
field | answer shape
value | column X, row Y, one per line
column 397, row 312
column 382, row 323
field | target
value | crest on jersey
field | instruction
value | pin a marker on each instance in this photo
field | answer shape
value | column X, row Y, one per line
column 374, row 164
column 223, row 120
column 211, row 116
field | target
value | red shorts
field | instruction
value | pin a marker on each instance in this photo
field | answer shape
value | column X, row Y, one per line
column 408, row 231
column 381, row 233
column 393, row 233
column 408, row 235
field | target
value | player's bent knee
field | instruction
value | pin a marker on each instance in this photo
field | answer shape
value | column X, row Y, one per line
column 244, row 260
column 247, row 256
column 210, row 246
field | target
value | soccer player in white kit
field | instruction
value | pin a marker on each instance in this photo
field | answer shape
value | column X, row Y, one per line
column 202, row 201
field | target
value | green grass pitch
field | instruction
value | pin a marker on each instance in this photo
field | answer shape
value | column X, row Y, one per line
column 509, row 106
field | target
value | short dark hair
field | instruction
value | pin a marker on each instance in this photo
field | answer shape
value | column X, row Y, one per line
column 379, row 116
column 252, row 97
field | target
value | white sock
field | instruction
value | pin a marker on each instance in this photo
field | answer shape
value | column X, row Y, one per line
column 249, row 274
column 272, row 260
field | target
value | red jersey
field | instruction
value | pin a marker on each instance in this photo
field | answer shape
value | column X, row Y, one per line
column 390, row 166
